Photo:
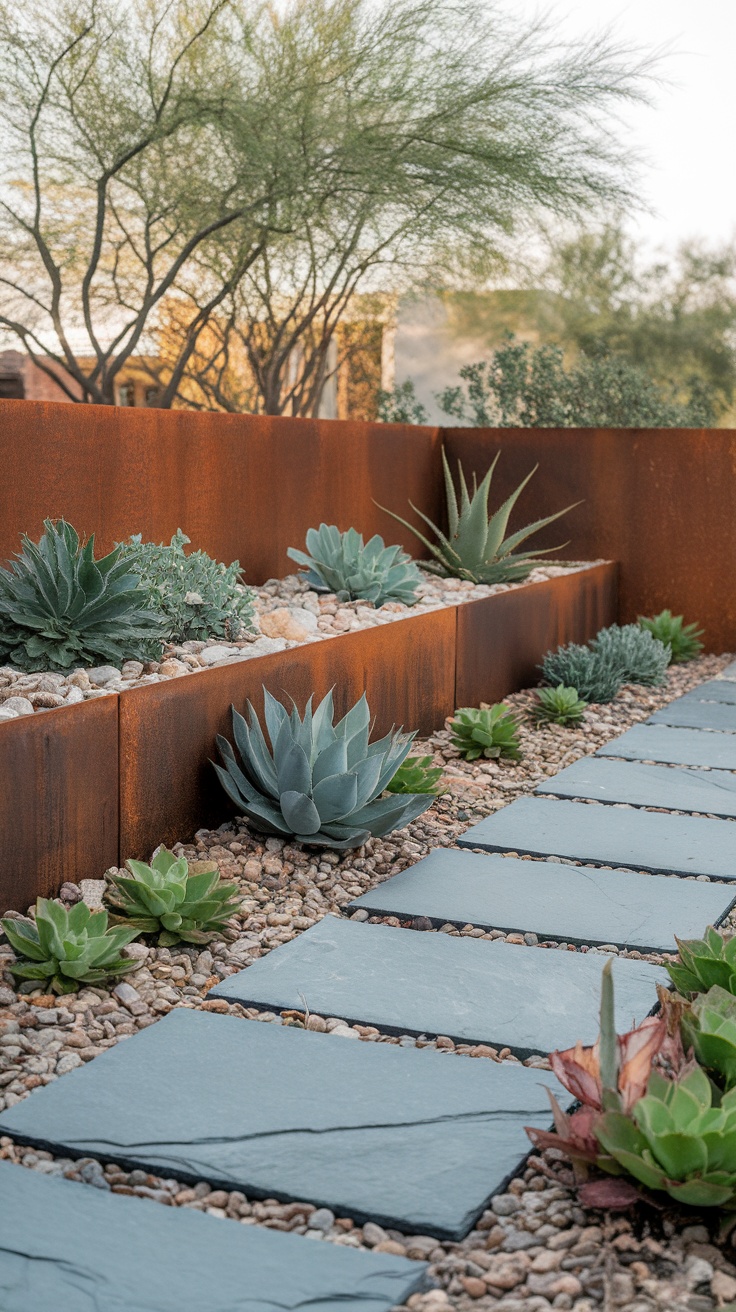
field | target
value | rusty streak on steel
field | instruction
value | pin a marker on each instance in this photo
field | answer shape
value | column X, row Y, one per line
column 168, row 788
column 242, row 487
column 501, row 639
column 660, row 501
column 58, row 799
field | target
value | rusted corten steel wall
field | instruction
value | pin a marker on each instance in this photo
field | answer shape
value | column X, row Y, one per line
column 168, row 788
column 58, row 799
column 501, row 639
column 242, row 487
column 662, row 502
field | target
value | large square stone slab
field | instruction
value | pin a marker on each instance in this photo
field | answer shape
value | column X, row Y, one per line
column 655, row 742
column 710, row 792
column 644, row 840
column 554, row 901
column 729, row 672
column 414, row 1139
column 528, row 999
column 687, row 713
column 68, row 1247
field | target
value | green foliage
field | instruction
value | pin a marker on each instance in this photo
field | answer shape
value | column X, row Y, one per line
column 182, row 903
column 682, row 639
column 529, row 387
column 680, row 1139
column 642, row 658
column 596, row 677
column 705, row 962
column 342, row 563
column 67, row 948
column 558, row 705
column 416, row 775
column 321, row 782
column 477, row 548
column 492, row 732
column 197, row 596
column 401, row 405
column 60, row 607
column 709, row 1029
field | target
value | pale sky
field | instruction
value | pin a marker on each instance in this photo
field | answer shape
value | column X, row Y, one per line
column 688, row 135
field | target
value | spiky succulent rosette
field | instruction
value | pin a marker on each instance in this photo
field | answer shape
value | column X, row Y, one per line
column 320, row 783
column 181, row 901
column 353, row 569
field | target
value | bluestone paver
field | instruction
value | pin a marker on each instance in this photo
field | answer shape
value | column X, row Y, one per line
column 687, row 713
column 656, row 742
column 708, row 792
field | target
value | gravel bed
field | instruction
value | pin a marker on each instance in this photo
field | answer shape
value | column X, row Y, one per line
column 536, row 1249
column 287, row 614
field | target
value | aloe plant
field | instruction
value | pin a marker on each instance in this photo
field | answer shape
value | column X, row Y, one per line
column 491, row 732
column 558, row 705
column 178, row 900
column 67, row 948
column 682, row 639
column 476, row 546
column 416, row 775
column 704, row 962
column 320, row 782
column 342, row 563
column 60, row 607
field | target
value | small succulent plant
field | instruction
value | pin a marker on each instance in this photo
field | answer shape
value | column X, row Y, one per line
column 704, row 962
column 180, row 901
column 641, row 657
column 596, row 676
column 342, row 563
column 197, row 596
column 682, row 639
column 709, row 1029
column 321, row 782
column 67, row 948
column 558, row 705
column 679, row 1139
column 476, row 547
column 492, row 731
column 416, row 775
column 60, row 607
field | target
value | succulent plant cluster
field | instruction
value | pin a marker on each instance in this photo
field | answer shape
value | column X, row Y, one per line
column 197, row 597
column 491, row 732
column 342, row 563
column 64, row 949
column 476, row 546
column 180, row 901
column 320, row 783
column 59, row 607
column 640, row 656
column 682, row 639
column 659, row 1104
column 558, row 705
column 416, row 775
column 594, row 674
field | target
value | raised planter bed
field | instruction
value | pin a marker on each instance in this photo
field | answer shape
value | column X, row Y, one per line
column 83, row 787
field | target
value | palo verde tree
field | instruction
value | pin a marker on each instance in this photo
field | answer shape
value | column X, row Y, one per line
column 136, row 133
column 445, row 125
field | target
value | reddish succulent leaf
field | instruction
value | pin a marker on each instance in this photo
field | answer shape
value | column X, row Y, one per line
column 612, row 1194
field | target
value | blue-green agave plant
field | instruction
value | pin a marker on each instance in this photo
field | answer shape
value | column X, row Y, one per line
column 321, row 783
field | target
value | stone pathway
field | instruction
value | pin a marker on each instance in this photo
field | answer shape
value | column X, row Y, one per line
column 265, row 1107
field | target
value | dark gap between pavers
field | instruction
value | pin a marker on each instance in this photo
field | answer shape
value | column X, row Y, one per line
column 641, row 840
column 528, row 999
column 710, row 792
column 65, row 1247
column 687, row 714
column 690, row 747
column 552, row 900
column 407, row 1137
column 715, row 690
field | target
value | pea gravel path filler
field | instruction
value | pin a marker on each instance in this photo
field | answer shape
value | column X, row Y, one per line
column 536, row 1248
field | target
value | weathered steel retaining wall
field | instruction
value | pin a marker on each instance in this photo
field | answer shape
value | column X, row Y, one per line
column 83, row 787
